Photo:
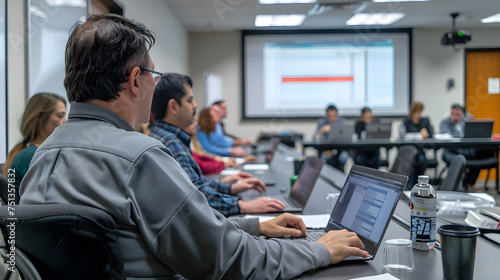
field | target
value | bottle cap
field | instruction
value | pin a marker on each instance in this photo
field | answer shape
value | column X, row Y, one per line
column 423, row 179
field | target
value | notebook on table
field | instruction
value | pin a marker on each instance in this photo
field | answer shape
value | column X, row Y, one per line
column 365, row 206
column 301, row 189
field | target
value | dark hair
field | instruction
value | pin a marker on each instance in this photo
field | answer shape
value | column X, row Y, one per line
column 100, row 54
column 170, row 86
column 458, row 107
column 206, row 121
column 37, row 113
column 218, row 102
column 365, row 110
column 331, row 108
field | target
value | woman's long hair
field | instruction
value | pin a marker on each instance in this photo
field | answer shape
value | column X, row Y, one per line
column 36, row 115
column 206, row 121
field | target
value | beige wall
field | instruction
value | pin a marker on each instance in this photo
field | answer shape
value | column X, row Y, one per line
column 170, row 53
column 433, row 64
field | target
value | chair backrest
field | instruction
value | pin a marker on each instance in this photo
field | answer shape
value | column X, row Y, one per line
column 406, row 161
column 455, row 172
column 4, row 188
column 65, row 241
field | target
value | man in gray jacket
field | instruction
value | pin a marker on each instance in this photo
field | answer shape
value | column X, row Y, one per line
column 166, row 226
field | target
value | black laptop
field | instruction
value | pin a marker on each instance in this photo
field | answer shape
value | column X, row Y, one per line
column 478, row 129
column 301, row 189
column 365, row 206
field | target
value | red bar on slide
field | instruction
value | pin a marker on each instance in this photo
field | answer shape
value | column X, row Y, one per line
column 315, row 79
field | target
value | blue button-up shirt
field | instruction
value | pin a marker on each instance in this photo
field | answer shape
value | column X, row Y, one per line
column 177, row 141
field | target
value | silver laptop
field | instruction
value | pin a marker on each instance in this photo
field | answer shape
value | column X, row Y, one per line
column 340, row 132
column 478, row 129
column 301, row 189
column 365, row 206
column 378, row 130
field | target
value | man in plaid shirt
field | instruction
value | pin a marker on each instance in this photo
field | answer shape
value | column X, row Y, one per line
column 173, row 110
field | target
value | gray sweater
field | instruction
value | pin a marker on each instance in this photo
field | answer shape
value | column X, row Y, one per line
column 166, row 226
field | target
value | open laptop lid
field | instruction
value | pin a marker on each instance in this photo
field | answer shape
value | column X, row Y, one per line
column 479, row 128
column 366, row 204
column 340, row 132
column 378, row 130
column 306, row 180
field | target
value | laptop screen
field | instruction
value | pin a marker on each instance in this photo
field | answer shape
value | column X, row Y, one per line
column 478, row 129
column 307, row 177
column 366, row 203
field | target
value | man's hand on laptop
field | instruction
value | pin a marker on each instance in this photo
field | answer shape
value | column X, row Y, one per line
column 284, row 224
column 342, row 244
column 261, row 205
column 248, row 184
column 234, row 178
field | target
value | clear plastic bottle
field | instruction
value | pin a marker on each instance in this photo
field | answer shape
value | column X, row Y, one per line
column 423, row 214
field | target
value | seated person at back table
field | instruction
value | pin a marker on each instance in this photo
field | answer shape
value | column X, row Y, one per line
column 166, row 228
column 415, row 123
column 174, row 110
column 369, row 156
column 212, row 138
column 455, row 125
column 335, row 158
column 44, row 112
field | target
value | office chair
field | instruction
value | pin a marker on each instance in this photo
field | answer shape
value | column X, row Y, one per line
column 455, row 173
column 63, row 241
column 406, row 163
column 4, row 186
column 484, row 163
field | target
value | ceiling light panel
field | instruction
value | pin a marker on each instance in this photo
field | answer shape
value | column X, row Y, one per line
column 279, row 20
column 491, row 19
column 286, row 1
column 375, row 19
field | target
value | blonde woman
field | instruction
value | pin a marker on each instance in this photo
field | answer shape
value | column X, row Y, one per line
column 44, row 112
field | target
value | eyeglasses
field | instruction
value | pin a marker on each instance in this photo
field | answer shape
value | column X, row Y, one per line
column 156, row 75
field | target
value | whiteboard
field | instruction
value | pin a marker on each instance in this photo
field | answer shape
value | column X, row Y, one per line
column 213, row 88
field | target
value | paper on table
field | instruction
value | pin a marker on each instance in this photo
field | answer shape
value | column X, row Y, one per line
column 239, row 160
column 311, row 221
column 385, row 276
column 229, row 172
column 255, row 166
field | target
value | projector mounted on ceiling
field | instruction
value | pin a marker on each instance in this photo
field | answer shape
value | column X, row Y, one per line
column 455, row 37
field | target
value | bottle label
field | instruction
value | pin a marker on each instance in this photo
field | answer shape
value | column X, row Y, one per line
column 423, row 219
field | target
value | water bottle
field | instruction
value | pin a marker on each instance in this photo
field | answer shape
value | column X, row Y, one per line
column 423, row 214
column 402, row 131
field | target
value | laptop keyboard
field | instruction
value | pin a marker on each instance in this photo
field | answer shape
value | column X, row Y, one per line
column 314, row 235
column 290, row 203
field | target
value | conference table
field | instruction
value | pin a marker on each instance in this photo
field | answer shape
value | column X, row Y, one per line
column 429, row 143
column 427, row 263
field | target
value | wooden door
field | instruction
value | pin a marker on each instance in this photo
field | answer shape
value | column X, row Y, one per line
column 480, row 65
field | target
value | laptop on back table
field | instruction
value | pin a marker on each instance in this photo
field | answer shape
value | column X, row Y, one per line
column 302, row 188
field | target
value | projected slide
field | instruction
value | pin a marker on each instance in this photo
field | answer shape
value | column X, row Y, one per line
column 305, row 76
column 298, row 75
